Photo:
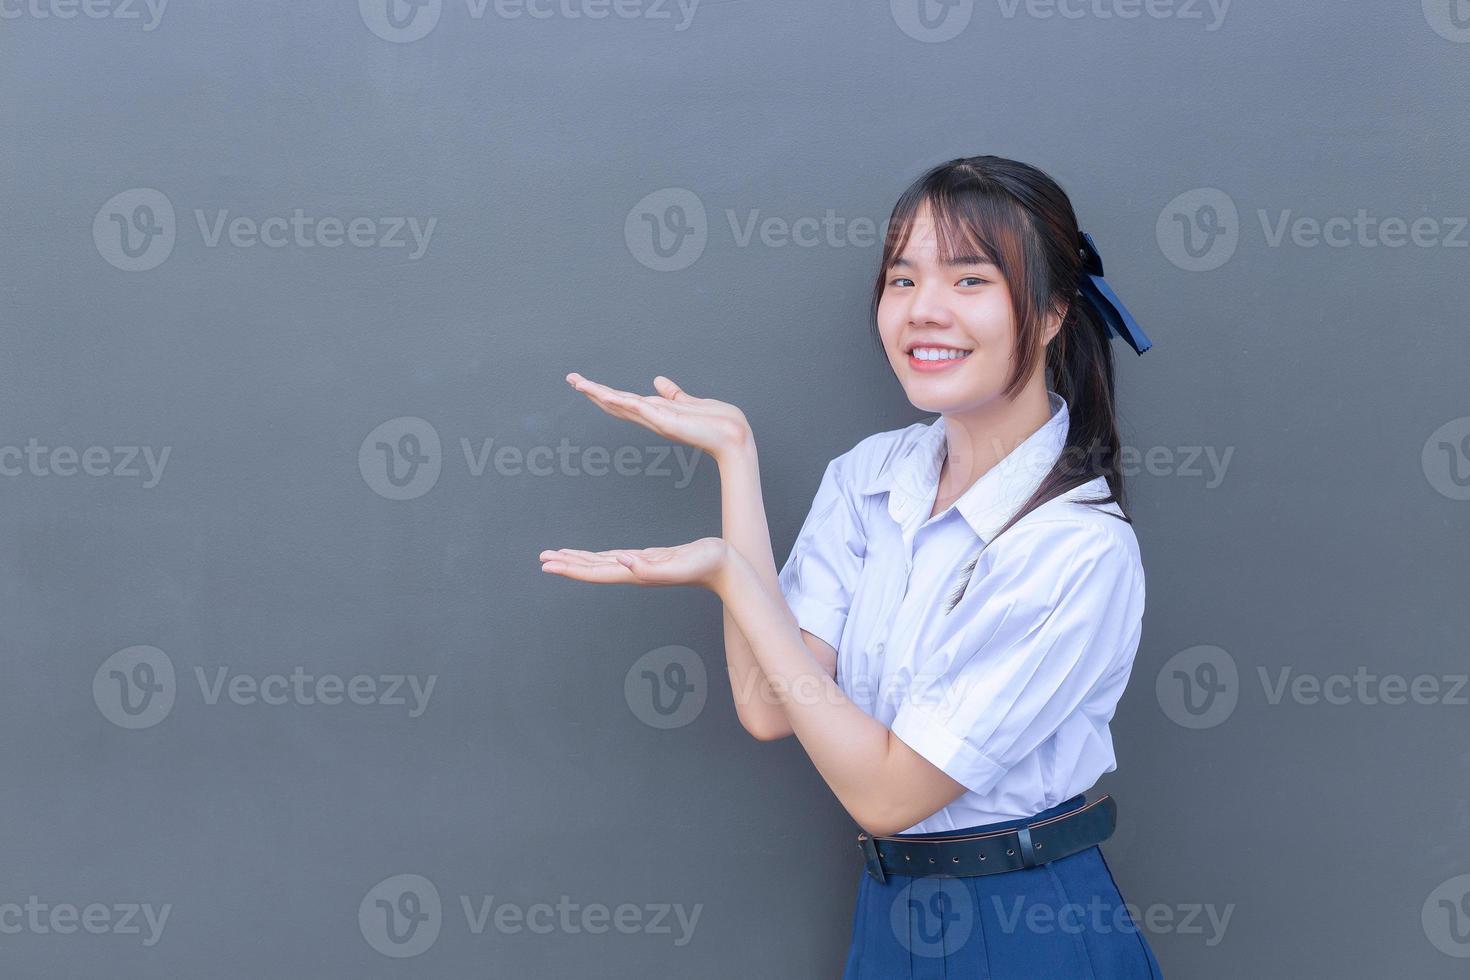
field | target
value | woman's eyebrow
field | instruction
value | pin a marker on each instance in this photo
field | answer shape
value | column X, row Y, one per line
column 954, row 261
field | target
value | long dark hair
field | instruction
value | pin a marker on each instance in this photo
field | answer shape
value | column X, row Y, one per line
column 1023, row 220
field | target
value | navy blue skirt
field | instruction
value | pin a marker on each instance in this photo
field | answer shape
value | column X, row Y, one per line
column 1064, row 918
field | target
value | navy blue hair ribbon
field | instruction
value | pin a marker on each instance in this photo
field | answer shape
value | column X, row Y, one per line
column 1115, row 316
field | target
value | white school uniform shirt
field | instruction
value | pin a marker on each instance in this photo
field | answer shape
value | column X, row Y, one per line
column 1011, row 692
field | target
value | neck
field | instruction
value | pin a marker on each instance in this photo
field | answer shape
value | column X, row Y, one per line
column 981, row 436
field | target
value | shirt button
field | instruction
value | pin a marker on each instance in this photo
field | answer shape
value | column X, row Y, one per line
column 878, row 649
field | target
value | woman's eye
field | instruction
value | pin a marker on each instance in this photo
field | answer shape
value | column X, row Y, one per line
column 904, row 280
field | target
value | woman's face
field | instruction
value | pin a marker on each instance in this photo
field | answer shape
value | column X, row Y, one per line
column 948, row 330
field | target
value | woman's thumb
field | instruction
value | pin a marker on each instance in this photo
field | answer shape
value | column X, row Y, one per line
column 670, row 390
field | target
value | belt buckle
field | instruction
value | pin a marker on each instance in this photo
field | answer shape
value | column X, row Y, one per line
column 870, row 857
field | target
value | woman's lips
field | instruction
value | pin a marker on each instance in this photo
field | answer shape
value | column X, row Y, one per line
column 933, row 366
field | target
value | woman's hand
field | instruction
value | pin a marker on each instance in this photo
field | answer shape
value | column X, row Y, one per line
column 716, row 427
column 703, row 562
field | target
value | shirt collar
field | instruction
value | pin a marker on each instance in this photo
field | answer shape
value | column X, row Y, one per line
column 993, row 498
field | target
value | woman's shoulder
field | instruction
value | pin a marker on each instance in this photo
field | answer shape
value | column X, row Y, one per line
column 871, row 455
column 1073, row 522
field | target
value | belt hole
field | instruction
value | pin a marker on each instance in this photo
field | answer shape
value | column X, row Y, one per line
column 982, row 855
column 1038, row 845
column 931, row 860
column 955, row 859
column 1010, row 851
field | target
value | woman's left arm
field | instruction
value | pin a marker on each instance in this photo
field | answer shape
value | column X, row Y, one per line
column 1057, row 628
column 882, row 783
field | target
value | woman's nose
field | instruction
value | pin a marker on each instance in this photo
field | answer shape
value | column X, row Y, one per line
column 930, row 305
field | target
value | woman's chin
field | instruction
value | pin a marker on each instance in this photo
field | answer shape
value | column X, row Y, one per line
column 927, row 396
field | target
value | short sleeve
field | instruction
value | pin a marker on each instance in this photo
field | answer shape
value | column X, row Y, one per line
column 1054, row 627
column 821, row 573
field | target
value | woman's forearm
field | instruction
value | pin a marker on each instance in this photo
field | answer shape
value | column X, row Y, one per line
column 744, row 528
column 849, row 747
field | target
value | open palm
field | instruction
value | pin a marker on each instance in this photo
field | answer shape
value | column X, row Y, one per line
column 696, row 563
column 673, row 413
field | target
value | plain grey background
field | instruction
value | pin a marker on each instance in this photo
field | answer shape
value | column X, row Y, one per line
column 1327, row 381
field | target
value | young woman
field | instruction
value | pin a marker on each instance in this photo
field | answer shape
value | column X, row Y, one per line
column 959, row 614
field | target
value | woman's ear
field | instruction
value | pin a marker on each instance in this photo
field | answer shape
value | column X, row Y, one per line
column 1054, row 321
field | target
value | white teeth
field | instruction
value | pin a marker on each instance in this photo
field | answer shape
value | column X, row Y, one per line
column 939, row 353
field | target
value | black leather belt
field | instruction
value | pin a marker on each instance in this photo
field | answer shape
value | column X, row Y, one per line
column 992, row 853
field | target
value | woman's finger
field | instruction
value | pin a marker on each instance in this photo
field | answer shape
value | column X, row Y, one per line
column 642, row 409
column 671, row 391
column 610, row 557
column 570, row 556
column 596, row 388
column 597, row 574
column 618, row 398
column 602, row 572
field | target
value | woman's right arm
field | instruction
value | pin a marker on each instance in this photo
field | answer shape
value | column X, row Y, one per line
column 723, row 431
column 743, row 518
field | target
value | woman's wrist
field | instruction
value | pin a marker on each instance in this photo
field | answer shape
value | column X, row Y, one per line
column 729, row 571
column 738, row 449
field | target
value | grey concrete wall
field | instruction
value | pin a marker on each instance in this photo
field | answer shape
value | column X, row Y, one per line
column 288, row 296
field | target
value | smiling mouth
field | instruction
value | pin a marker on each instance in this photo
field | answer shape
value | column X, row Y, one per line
column 922, row 358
